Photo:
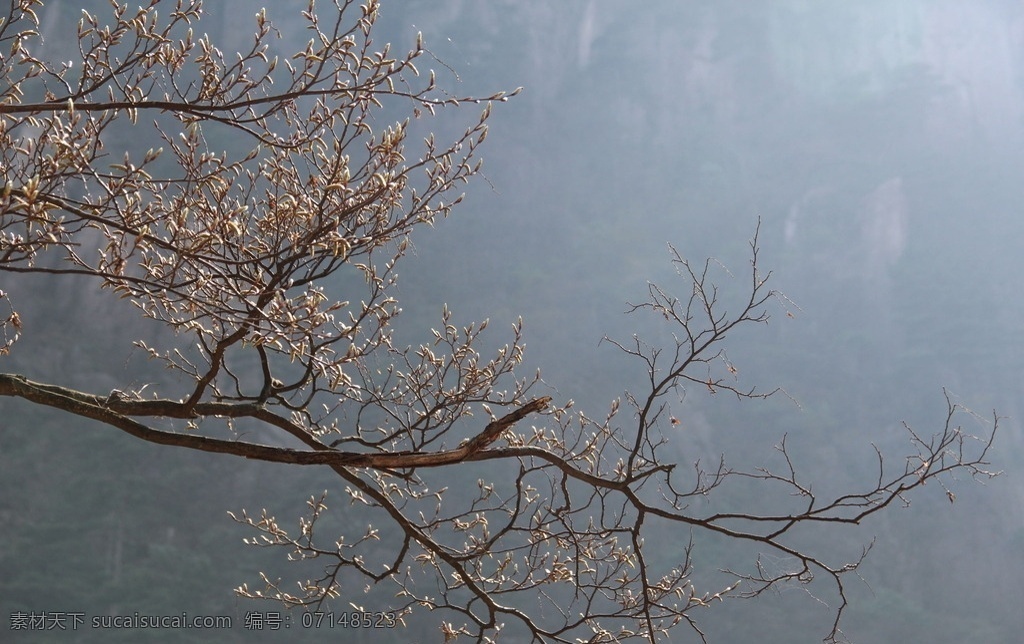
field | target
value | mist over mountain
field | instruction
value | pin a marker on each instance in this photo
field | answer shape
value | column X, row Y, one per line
column 877, row 145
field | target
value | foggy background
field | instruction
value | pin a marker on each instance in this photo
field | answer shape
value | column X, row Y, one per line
column 879, row 145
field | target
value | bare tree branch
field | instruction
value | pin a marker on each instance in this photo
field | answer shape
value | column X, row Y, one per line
column 262, row 229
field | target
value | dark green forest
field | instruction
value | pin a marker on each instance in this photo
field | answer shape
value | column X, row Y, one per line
column 877, row 146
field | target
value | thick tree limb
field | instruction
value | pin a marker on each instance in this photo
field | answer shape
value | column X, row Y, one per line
column 117, row 412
